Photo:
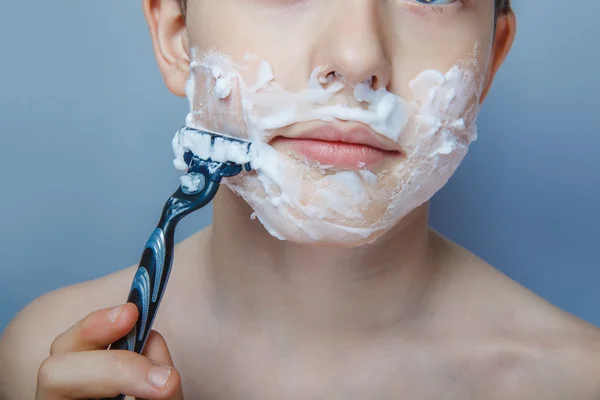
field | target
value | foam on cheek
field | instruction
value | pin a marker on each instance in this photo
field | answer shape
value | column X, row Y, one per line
column 223, row 84
column 296, row 202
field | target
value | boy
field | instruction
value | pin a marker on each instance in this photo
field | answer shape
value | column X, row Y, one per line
column 371, row 305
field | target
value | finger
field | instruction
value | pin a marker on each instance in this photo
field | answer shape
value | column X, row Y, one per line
column 98, row 330
column 156, row 349
column 102, row 373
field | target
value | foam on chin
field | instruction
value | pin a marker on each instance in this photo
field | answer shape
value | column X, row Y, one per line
column 319, row 205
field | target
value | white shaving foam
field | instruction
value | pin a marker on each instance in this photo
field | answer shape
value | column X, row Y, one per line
column 319, row 204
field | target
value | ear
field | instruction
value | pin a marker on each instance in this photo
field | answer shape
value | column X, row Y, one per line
column 170, row 41
column 506, row 28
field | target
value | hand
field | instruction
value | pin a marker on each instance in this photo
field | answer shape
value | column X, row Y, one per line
column 80, row 367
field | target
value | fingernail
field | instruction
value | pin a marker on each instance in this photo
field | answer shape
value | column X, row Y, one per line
column 159, row 376
column 114, row 313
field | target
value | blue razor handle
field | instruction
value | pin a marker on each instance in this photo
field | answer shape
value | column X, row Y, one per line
column 154, row 268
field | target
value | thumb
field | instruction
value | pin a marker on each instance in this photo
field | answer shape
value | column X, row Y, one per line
column 156, row 350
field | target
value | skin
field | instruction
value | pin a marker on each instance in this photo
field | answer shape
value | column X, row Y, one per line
column 413, row 316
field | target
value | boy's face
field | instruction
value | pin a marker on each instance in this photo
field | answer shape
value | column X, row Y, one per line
column 436, row 58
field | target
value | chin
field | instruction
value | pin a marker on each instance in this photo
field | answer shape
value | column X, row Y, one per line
column 335, row 243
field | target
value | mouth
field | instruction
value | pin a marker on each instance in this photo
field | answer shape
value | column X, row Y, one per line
column 329, row 145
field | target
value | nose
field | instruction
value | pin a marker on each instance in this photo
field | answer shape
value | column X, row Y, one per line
column 352, row 45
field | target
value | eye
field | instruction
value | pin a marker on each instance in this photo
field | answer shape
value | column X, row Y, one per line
column 436, row 2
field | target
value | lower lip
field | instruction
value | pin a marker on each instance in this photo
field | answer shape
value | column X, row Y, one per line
column 338, row 154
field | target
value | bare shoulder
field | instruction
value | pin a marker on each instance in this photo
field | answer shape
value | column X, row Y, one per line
column 532, row 348
column 559, row 364
column 568, row 356
column 25, row 343
column 586, row 363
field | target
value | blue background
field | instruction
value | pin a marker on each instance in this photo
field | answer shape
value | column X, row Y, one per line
column 85, row 161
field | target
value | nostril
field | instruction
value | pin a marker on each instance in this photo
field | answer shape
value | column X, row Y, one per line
column 374, row 81
column 327, row 78
column 332, row 81
column 332, row 76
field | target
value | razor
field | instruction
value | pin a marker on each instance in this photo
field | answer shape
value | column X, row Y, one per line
column 205, row 175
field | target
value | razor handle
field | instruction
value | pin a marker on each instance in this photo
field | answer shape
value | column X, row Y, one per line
column 153, row 272
column 155, row 264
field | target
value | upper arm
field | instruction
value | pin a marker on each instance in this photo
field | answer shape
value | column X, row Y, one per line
column 26, row 342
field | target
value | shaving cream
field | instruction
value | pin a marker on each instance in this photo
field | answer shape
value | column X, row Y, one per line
column 310, row 203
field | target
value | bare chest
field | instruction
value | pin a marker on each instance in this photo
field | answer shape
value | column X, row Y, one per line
column 318, row 373
column 223, row 363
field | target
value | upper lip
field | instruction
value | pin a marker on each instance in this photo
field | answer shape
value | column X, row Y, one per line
column 355, row 135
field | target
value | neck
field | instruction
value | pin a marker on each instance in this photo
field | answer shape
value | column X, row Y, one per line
column 309, row 290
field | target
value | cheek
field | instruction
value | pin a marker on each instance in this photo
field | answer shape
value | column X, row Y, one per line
column 217, row 91
column 241, row 27
column 424, row 39
column 217, row 25
column 213, row 103
column 455, row 105
column 446, row 108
